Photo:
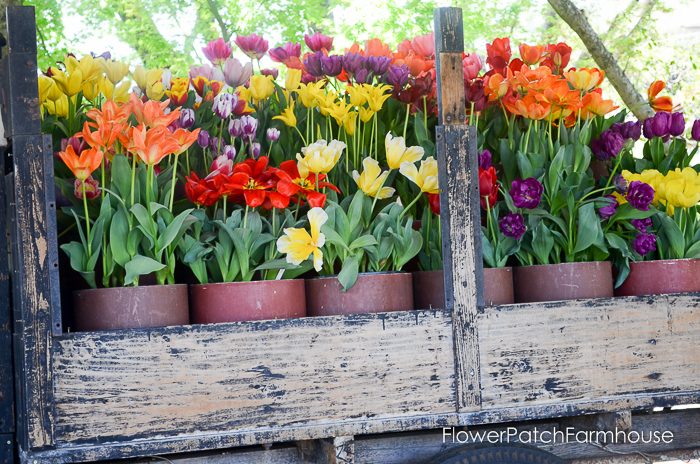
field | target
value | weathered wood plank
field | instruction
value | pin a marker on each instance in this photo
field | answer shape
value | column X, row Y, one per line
column 449, row 45
column 7, row 449
column 7, row 422
column 336, row 450
column 227, row 377
column 587, row 350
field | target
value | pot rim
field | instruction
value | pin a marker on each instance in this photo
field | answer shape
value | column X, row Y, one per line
column 541, row 266
column 129, row 289
column 503, row 268
column 663, row 261
column 236, row 284
column 361, row 274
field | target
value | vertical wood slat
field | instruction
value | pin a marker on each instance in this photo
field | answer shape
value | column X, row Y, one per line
column 6, row 370
column 32, row 258
column 459, row 203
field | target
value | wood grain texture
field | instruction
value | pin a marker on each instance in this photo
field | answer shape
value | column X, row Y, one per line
column 449, row 45
column 7, row 421
column 461, row 250
column 235, row 377
column 588, row 350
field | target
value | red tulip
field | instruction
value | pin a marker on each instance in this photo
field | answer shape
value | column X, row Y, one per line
column 498, row 54
column 488, row 186
column 434, row 202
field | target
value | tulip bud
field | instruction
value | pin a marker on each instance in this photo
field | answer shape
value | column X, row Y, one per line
column 485, row 159
column 223, row 104
column 270, row 72
column 677, row 126
column 249, row 126
column 229, row 152
column 187, row 118
column 222, row 164
column 78, row 144
column 272, row 134
column 318, row 42
column 203, row 139
column 352, row 62
column 695, row 132
column 620, row 184
column 397, row 76
column 363, row 76
column 235, row 128
column 378, row 64
column 92, row 188
column 214, row 145
column 254, row 149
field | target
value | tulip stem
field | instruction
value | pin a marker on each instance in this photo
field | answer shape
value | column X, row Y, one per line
column 87, row 221
column 300, row 135
column 172, row 183
column 133, row 177
column 425, row 112
column 187, row 160
column 225, row 198
column 245, row 217
column 405, row 121
column 221, row 137
column 612, row 174
column 410, row 205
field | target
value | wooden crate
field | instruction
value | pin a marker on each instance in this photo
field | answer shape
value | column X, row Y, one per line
column 90, row 396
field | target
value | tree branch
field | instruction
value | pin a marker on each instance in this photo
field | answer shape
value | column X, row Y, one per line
column 603, row 58
column 214, row 8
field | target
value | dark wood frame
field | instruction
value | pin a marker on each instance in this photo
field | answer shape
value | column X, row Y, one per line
column 91, row 396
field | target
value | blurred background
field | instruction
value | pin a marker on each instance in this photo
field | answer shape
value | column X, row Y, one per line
column 651, row 39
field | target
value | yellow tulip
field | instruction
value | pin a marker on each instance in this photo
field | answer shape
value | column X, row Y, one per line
column 376, row 95
column 366, row 114
column 90, row 89
column 48, row 90
column 357, row 94
column 115, row 70
column 426, row 178
column 299, row 245
column 320, row 157
column 350, row 123
column 293, row 79
column 58, row 107
column 372, row 180
column 69, row 84
column 117, row 93
column 288, row 117
column 149, row 81
column 261, row 87
column 155, row 90
column 89, row 67
column 397, row 153
column 309, row 93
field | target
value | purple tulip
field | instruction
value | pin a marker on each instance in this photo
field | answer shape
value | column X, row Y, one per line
column 658, row 125
column 642, row 225
column 610, row 207
column 628, row 130
column 397, row 76
column 620, row 184
column 608, row 146
column 640, row 195
column 512, row 225
column 237, row 74
column 526, row 193
column 217, row 51
column 312, row 63
column 485, row 159
column 249, row 126
column 677, row 126
column 644, row 243
column 474, row 94
column 274, row 72
column 229, row 151
column 695, row 131
column 317, row 42
column 224, row 104
column 285, row 52
column 378, row 64
column 353, row 62
column 187, row 118
column 254, row 149
column 272, row 134
column 252, row 45
column 363, row 76
column 214, row 145
column 331, row 65
column 235, row 128
column 203, row 139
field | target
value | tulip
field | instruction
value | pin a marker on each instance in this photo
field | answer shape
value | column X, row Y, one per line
column 331, row 65
column 350, row 123
column 695, row 131
column 352, row 62
column 152, row 145
column 229, row 152
column 69, row 84
column 557, row 56
column 644, row 243
column 293, row 79
column 378, row 64
column 363, row 76
column 628, row 130
column 677, row 126
column 299, row 245
column 272, row 134
column 77, row 143
column 512, row 225
column 223, row 104
column 48, row 90
column 206, row 71
column 531, row 54
column 235, row 128
column 659, row 104
column 254, row 149
column 488, row 187
column 498, row 54
column 261, row 87
column 187, row 118
column 223, row 163
column 252, row 45
column 89, row 188
column 285, row 53
column 434, row 203
column 235, row 73
column 83, row 165
column 471, row 64
column 215, row 145
column 608, row 145
column 372, row 180
column 272, row 72
column 397, row 153
column 424, row 45
column 217, row 51
column 318, row 42
column 376, row 96
column 609, row 208
column 640, row 195
column 320, row 157
column 249, row 126
column 526, row 193
column 203, row 139
column 58, row 107
column 167, row 78
column 426, row 178
column 312, row 64
column 179, row 91
column 485, row 159
column 115, row 70
column 397, row 76
column 658, row 125
column 584, row 79
column 475, row 95
column 642, row 225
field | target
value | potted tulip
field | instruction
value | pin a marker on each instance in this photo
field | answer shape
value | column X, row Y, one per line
column 136, row 229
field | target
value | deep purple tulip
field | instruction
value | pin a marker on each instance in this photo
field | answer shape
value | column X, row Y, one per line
column 658, row 125
column 249, row 126
column 252, row 45
column 378, row 64
column 187, row 118
column 512, row 225
column 353, row 62
column 485, row 159
column 285, row 52
column 695, row 131
column 203, row 139
column 526, row 193
column 363, row 76
column 331, row 65
column 274, row 72
column 628, row 130
column 317, row 42
column 644, row 243
column 620, row 184
column 272, row 134
column 610, row 207
column 312, row 63
column 229, row 152
column 397, row 76
column 254, row 149
column 677, row 126
column 608, row 145
column 642, row 225
column 640, row 195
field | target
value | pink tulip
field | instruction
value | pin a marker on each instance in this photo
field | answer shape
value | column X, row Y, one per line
column 270, row 72
column 284, row 53
column 471, row 63
column 236, row 74
column 252, row 45
column 205, row 70
column 217, row 51
column 424, row 45
column 318, row 42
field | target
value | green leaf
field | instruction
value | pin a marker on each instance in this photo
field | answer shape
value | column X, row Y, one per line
column 363, row 242
column 175, row 228
column 589, row 230
column 542, row 243
column 119, row 237
column 138, row 266
column 693, row 251
column 673, row 236
column 144, row 219
column 349, row 272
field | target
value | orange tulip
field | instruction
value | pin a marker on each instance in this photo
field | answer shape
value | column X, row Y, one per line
column 529, row 107
column 110, row 113
column 416, row 64
column 531, row 54
column 559, row 95
column 375, row 47
column 535, row 80
column 496, row 87
column 104, row 137
column 585, row 79
column 592, row 105
column 84, row 165
column 154, row 115
column 152, row 145
column 185, row 139
column 664, row 103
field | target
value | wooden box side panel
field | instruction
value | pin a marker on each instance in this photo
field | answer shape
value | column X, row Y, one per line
column 584, row 350
column 235, row 377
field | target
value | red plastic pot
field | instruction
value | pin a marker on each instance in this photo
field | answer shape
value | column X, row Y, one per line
column 565, row 281
column 374, row 292
column 662, row 276
column 429, row 288
column 130, row 307
column 247, row 301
